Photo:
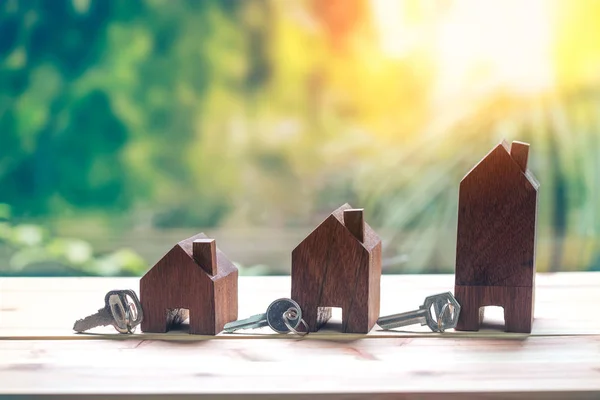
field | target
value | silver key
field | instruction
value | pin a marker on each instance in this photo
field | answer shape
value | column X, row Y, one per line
column 445, row 314
column 283, row 316
column 118, row 311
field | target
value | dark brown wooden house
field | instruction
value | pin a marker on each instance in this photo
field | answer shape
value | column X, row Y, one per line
column 194, row 278
column 339, row 265
column 495, row 251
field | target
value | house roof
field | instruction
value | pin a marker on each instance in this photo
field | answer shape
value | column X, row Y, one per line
column 224, row 265
column 371, row 239
column 504, row 147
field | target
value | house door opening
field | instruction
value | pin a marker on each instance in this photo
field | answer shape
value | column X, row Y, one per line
column 178, row 319
column 492, row 317
column 335, row 322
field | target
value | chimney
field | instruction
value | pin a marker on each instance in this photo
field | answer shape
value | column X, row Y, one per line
column 519, row 151
column 204, row 252
column 354, row 221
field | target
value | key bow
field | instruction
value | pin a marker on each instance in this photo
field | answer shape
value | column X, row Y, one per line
column 127, row 315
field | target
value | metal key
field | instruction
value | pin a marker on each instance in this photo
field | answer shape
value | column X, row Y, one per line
column 283, row 316
column 445, row 314
column 118, row 311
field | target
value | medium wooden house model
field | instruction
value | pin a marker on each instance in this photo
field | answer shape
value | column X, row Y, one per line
column 495, row 251
column 193, row 279
column 339, row 265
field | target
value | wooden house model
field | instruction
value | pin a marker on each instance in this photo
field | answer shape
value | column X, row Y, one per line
column 193, row 279
column 339, row 265
column 495, row 251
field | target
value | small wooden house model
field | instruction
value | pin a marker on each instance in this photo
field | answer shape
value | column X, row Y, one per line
column 194, row 278
column 495, row 250
column 339, row 265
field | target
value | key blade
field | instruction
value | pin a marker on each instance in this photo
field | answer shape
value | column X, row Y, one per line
column 403, row 319
column 253, row 322
column 102, row 318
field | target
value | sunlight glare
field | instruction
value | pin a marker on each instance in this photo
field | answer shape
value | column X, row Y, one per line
column 506, row 44
column 395, row 37
column 474, row 43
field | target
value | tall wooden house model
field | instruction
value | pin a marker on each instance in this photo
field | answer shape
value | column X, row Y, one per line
column 495, row 251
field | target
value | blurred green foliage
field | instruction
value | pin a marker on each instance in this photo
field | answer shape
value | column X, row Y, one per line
column 32, row 251
column 157, row 114
column 96, row 105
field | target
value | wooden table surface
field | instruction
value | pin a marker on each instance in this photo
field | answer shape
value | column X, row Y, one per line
column 41, row 356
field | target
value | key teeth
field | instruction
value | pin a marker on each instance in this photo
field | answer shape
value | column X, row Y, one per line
column 75, row 328
column 90, row 322
column 229, row 329
column 252, row 322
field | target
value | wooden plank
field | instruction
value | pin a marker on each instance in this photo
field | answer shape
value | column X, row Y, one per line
column 560, row 359
column 530, row 366
column 561, row 309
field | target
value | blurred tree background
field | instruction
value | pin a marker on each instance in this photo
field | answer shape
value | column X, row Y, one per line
column 128, row 125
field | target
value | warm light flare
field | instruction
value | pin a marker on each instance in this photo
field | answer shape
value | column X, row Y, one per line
column 506, row 44
column 498, row 44
column 395, row 37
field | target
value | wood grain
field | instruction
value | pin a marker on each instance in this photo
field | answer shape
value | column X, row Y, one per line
column 519, row 151
column 333, row 268
column 355, row 222
column 560, row 359
column 517, row 303
column 496, row 238
column 419, row 368
column 181, row 285
column 204, row 252
column 28, row 308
